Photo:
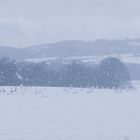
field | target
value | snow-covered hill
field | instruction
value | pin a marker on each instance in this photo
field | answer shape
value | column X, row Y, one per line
column 126, row 58
column 73, row 48
column 43, row 113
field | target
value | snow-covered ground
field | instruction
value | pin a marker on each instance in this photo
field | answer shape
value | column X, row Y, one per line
column 41, row 113
column 126, row 58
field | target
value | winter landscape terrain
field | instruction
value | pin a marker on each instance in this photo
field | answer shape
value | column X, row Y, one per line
column 51, row 113
column 69, row 69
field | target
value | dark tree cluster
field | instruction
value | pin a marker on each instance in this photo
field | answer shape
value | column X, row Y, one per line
column 110, row 73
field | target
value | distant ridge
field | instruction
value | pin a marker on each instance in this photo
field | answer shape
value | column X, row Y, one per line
column 72, row 48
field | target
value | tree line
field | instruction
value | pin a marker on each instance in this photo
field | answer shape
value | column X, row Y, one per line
column 109, row 73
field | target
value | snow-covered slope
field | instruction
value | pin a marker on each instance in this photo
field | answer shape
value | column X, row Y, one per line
column 73, row 48
column 36, row 113
column 126, row 58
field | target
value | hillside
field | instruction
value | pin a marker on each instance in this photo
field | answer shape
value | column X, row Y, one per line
column 73, row 48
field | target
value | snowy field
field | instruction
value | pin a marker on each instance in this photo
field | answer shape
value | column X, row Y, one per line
column 38, row 113
column 126, row 58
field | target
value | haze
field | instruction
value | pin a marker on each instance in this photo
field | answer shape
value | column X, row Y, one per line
column 30, row 22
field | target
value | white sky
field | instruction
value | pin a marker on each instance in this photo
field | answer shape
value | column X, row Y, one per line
column 29, row 22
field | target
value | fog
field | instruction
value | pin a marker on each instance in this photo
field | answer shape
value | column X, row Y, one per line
column 30, row 22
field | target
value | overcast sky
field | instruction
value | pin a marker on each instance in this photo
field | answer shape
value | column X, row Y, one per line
column 30, row 22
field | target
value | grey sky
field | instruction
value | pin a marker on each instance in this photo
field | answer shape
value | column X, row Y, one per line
column 28, row 22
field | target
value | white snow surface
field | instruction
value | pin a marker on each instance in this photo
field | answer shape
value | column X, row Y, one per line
column 45, row 113
column 126, row 58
